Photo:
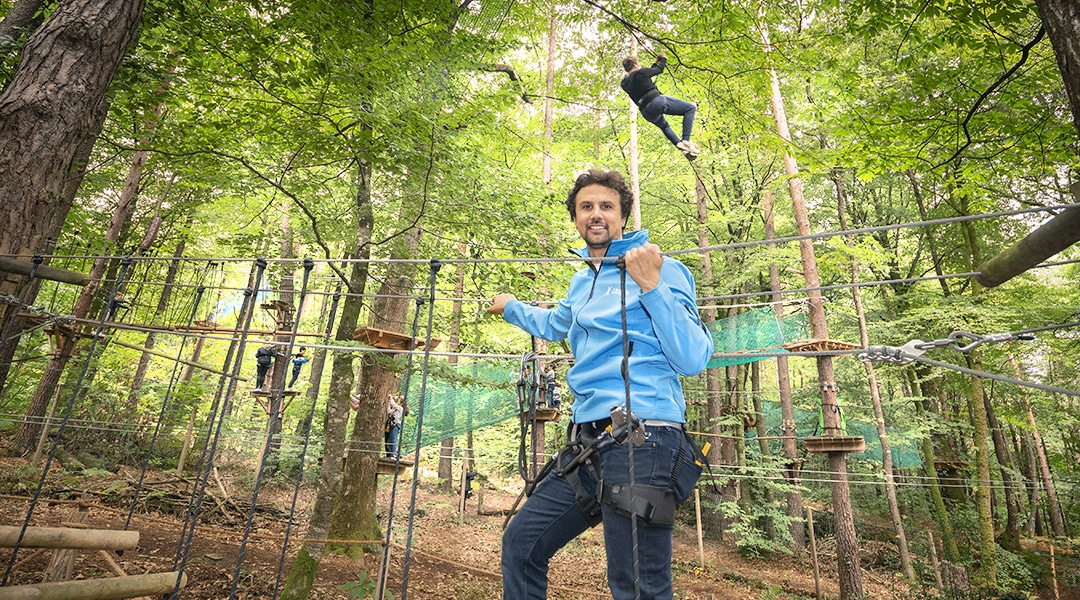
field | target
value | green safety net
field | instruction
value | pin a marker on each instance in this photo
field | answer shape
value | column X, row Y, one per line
column 460, row 398
column 756, row 330
column 905, row 452
column 477, row 393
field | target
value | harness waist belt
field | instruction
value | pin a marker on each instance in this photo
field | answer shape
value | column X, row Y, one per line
column 655, row 423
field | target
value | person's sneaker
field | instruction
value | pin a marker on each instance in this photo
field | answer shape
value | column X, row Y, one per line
column 694, row 148
column 257, row 389
column 685, row 146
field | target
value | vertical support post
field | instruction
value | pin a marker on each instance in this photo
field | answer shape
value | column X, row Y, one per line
column 934, row 560
column 187, row 442
column 813, row 552
column 697, row 516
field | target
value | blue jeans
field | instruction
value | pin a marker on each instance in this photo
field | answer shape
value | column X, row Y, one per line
column 550, row 518
column 392, row 440
column 655, row 110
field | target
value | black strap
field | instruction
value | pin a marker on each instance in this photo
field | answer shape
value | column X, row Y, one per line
column 654, row 504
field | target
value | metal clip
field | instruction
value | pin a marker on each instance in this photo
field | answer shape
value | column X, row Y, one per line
column 623, row 427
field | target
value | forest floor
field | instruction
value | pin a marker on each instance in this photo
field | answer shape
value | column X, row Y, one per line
column 450, row 555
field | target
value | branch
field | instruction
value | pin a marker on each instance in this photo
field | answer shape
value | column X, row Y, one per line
column 971, row 112
column 502, row 68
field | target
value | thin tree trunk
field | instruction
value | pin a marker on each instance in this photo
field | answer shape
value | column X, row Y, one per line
column 1057, row 523
column 875, row 392
column 847, row 550
column 1009, row 539
column 787, row 405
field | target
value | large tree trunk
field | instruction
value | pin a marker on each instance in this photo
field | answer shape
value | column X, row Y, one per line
column 355, row 517
column 50, row 108
column 1061, row 18
column 336, row 422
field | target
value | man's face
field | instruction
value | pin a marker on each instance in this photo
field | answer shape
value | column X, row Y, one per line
column 598, row 217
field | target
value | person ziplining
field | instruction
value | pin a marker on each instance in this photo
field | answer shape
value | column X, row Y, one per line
column 638, row 84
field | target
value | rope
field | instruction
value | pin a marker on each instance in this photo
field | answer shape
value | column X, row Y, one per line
column 212, row 436
column 60, row 431
column 385, row 559
column 161, row 415
column 304, row 448
column 435, row 266
column 729, row 246
column 272, row 414
column 621, row 263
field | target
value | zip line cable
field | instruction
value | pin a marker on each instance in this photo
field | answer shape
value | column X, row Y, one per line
column 718, row 247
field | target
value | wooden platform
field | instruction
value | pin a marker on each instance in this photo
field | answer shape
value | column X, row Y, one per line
column 268, row 393
column 390, row 340
column 820, row 346
column 386, row 465
column 544, row 414
column 821, row 444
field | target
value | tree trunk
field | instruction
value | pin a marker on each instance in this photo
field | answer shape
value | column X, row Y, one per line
column 1009, row 538
column 1061, row 18
column 847, row 549
column 926, row 448
column 163, row 304
column 335, row 425
column 355, row 517
column 44, row 125
column 19, row 20
column 1057, row 523
column 787, row 405
column 875, row 392
column 29, row 429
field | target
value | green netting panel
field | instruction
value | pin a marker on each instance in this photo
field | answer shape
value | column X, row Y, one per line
column 461, row 398
column 905, row 453
column 758, row 329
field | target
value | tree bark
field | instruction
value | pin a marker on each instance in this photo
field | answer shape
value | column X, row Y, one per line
column 1009, row 538
column 875, row 392
column 847, row 549
column 355, row 517
column 44, row 124
column 335, row 425
column 1061, row 18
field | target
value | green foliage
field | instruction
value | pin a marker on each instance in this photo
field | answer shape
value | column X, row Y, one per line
column 364, row 587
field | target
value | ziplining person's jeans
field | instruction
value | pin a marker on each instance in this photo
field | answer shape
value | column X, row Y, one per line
column 659, row 106
column 550, row 518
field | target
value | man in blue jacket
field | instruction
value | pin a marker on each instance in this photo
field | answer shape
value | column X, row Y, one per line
column 638, row 84
column 665, row 340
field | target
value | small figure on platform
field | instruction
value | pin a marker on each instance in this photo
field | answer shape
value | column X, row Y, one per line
column 549, row 386
column 638, row 84
column 115, row 306
column 298, row 361
column 470, row 476
column 395, row 412
column 264, row 357
column 555, row 401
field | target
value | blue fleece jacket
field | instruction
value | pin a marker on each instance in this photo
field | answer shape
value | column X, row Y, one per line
column 667, row 338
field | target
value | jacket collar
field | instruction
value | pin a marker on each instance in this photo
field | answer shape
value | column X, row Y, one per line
column 618, row 247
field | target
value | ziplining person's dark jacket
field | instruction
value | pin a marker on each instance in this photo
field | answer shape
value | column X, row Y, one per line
column 639, row 84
